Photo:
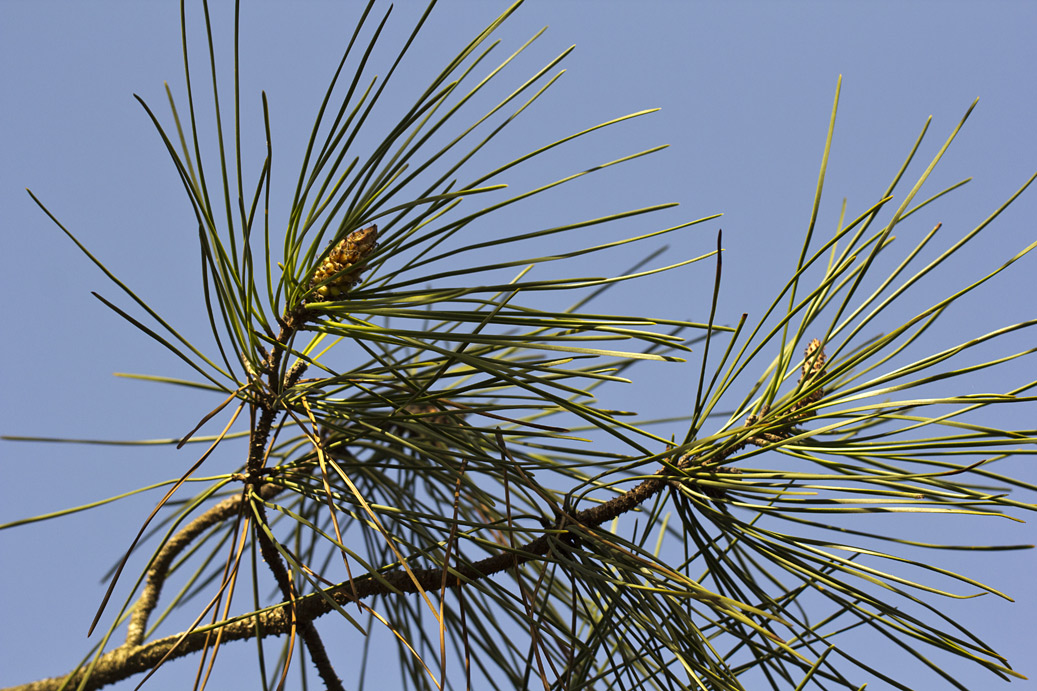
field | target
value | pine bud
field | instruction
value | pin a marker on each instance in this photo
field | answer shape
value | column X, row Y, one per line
column 343, row 265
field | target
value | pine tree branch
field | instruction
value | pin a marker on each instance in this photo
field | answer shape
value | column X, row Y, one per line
column 133, row 658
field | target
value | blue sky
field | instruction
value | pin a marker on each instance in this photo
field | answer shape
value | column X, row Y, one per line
column 745, row 91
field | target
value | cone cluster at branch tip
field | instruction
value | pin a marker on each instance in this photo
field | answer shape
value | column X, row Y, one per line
column 813, row 368
column 813, row 361
column 344, row 264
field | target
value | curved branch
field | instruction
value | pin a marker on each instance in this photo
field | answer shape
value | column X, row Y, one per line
column 160, row 566
column 130, row 658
